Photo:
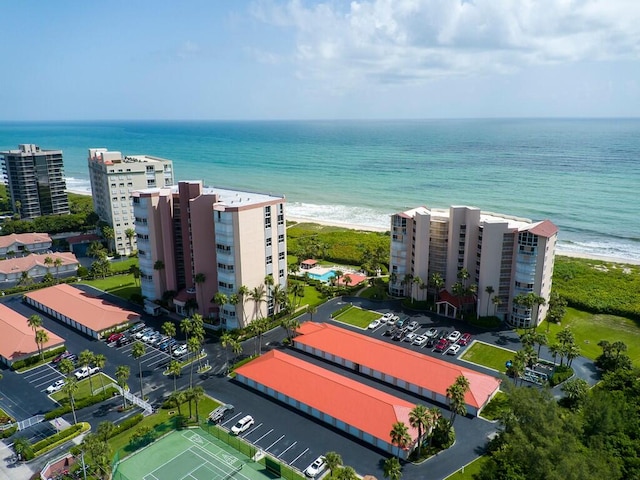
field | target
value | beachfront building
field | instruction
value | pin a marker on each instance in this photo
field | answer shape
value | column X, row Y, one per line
column 35, row 181
column 113, row 178
column 198, row 242
column 504, row 257
column 17, row 244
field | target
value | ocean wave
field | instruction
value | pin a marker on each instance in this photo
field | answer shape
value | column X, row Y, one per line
column 78, row 184
column 603, row 248
column 343, row 214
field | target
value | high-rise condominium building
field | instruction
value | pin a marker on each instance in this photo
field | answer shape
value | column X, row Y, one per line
column 504, row 257
column 198, row 242
column 113, row 179
column 35, row 180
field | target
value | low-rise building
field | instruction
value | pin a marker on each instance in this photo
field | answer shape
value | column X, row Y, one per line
column 36, row 266
column 18, row 244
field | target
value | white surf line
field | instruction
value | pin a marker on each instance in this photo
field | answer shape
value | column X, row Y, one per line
column 286, row 449
column 256, row 441
column 298, row 457
column 267, row 449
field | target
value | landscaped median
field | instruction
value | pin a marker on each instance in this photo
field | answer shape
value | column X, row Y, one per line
column 488, row 356
column 29, row 452
column 355, row 316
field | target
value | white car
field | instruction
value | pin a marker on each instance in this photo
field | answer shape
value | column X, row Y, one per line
column 432, row 332
column 420, row 340
column 375, row 324
column 55, row 387
column 243, row 425
column 315, row 468
column 387, row 317
column 410, row 337
column 85, row 372
column 180, row 350
column 453, row 350
column 455, row 335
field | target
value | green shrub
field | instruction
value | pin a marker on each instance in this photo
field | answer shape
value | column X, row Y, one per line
column 82, row 403
column 31, row 361
column 62, row 435
column 8, row 432
column 127, row 424
column 486, row 322
column 560, row 374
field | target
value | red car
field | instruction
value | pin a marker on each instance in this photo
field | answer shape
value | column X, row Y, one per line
column 61, row 356
column 464, row 339
column 442, row 345
column 114, row 337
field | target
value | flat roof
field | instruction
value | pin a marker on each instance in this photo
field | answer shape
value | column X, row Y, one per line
column 94, row 313
column 415, row 368
column 363, row 407
column 17, row 338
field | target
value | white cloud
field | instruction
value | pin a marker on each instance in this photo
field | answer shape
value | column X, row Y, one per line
column 409, row 41
column 188, row 49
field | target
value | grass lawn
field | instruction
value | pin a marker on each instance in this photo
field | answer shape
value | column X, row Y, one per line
column 488, row 356
column 206, row 405
column 311, row 296
column 496, row 407
column 120, row 285
column 84, row 388
column 357, row 317
column 589, row 329
column 467, row 473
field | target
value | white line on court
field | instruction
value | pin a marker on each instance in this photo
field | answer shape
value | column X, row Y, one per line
column 286, row 449
column 267, row 449
column 296, row 459
column 256, row 441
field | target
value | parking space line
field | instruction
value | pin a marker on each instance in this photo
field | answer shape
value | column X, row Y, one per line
column 256, row 441
column 267, row 449
column 231, row 419
column 287, row 449
column 298, row 457
column 252, row 430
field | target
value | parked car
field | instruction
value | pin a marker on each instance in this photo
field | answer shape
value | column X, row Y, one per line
column 243, row 425
column 55, row 387
column 398, row 335
column 143, row 332
column 72, row 357
column 453, row 349
column 125, row 340
column 114, row 337
column 399, row 321
column 390, row 331
column 149, row 335
column 444, row 334
column 168, row 345
column 413, row 326
column 158, row 338
column 219, row 413
column 388, row 317
column 432, row 332
column 410, row 336
column 442, row 345
column 420, row 340
column 62, row 356
column 137, row 327
column 375, row 324
column 86, row 371
column 432, row 341
column 454, row 337
column 465, row 339
column 315, row 468
column 180, row 350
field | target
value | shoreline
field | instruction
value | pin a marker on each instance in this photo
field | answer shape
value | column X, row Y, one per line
column 368, row 228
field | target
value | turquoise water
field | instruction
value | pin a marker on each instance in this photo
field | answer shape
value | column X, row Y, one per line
column 325, row 277
column 581, row 174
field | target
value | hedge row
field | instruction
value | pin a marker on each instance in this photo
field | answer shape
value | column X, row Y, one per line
column 560, row 374
column 8, row 432
column 127, row 424
column 82, row 403
column 59, row 438
column 31, row 361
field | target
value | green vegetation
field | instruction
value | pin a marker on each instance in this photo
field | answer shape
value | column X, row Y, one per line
column 310, row 295
column 488, row 356
column 49, row 443
column 598, row 287
column 32, row 362
column 468, row 472
column 377, row 291
column 122, row 286
column 496, row 408
column 357, row 317
column 84, row 388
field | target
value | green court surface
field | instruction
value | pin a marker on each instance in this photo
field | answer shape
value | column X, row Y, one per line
column 192, row 455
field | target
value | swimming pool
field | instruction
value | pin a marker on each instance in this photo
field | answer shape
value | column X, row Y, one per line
column 325, row 277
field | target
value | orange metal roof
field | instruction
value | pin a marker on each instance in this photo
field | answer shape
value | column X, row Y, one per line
column 404, row 364
column 24, row 264
column 85, row 309
column 17, row 338
column 24, row 239
column 354, row 403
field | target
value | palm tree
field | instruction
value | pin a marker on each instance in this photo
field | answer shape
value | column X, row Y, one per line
column 347, row 473
column 234, row 300
column 100, row 361
column 297, row 290
column 130, row 233
column 108, row 234
column 437, row 282
column 290, row 324
column 22, row 446
column 406, row 281
column 169, row 329
column 174, row 369
column 419, row 418
column 490, row 291
column 66, row 366
column 193, row 347
column 225, row 341
column 136, row 272
column 42, row 337
column 48, row 262
column 236, row 347
column 122, row 375
column 311, row 310
column 197, row 393
column 333, row 460
column 400, row 436
column 178, row 398
column 572, row 352
column 70, row 387
column 268, row 283
column 95, row 250
column 497, row 301
column 57, row 263
column 279, row 296
column 347, row 280
column 338, row 274
column 35, row 322
column 105, row 430
column 86, row 358
column 137, row 351
column 243, row 293
column 258, row 297
column 392, row 469
column 554, row 350
column 186, row 326
column 456, row 393
column 220, row 299
column 416, row 282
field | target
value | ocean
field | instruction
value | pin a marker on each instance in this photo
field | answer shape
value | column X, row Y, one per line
column 583, row 175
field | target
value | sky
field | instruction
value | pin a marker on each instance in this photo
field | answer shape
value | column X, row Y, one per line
column 303, row 59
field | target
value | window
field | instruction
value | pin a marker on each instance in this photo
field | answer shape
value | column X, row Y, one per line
column 281, row 273
column 269, row 260
column 267, row 217
column 281, row 256
column 280, row 219
column 280, row 238
column 268, row 242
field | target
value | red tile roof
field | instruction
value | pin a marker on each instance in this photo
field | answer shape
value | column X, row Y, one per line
column 17, row 338
column 24, row 239
column 445, row 296
column 354, row 403
column 85, row 238
column 24, row 264
column 431, row 373
column 544, row 229
column 94, row 313
column 309, row 261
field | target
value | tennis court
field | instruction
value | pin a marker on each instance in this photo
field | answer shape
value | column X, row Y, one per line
column 189, row 455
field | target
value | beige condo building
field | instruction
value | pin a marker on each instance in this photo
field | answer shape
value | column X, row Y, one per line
column 509, row 255
column 197, row 241
column 113, row 179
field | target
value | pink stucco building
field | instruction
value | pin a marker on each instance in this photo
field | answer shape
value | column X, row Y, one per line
column 199, row 241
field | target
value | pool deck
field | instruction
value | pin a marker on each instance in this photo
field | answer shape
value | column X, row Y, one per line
column 356, row 277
